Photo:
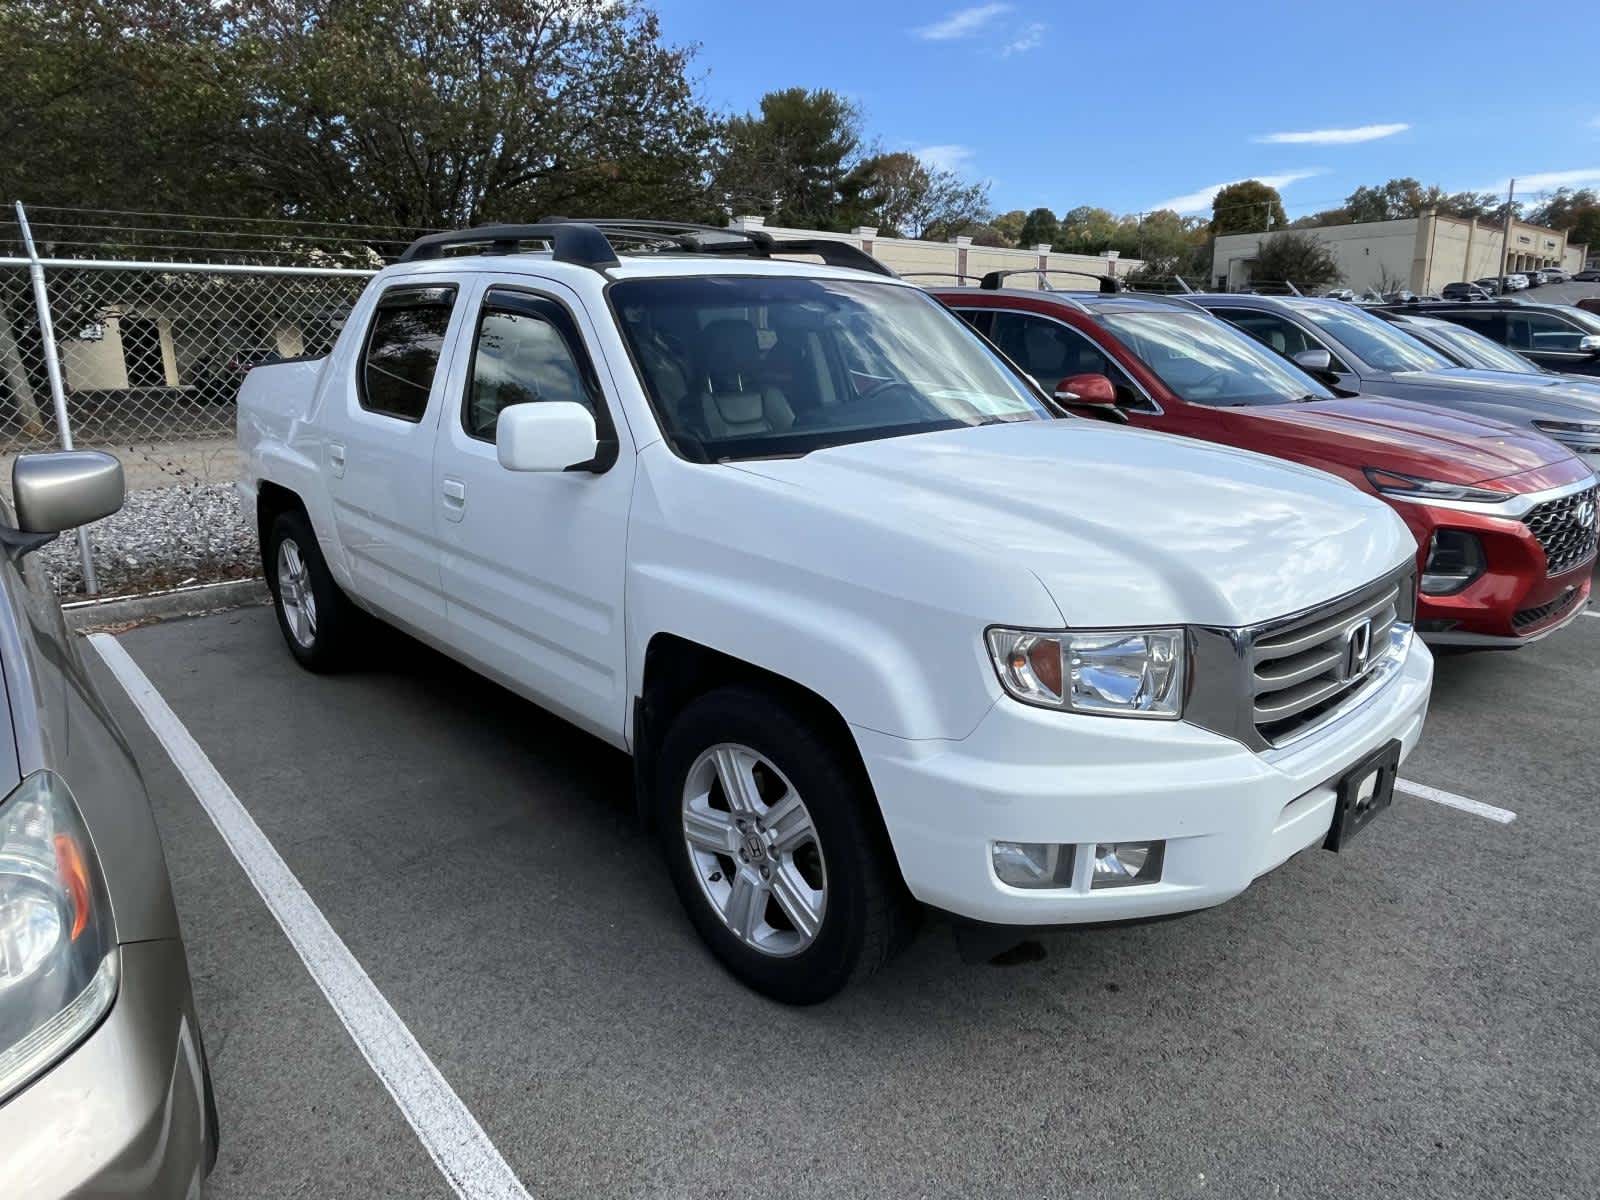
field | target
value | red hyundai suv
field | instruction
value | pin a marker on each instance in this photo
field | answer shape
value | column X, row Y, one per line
column 1505, row 519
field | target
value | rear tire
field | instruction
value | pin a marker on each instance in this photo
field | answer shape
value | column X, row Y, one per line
column 787, row 876
column 318, row 622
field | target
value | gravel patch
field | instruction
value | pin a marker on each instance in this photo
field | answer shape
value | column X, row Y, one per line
column 163, row 537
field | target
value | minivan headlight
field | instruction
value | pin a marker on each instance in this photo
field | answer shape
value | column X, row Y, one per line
column 58, row 962
column 1106, row 672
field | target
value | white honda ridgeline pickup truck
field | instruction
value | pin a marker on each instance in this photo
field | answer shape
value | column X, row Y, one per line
column 876, row 625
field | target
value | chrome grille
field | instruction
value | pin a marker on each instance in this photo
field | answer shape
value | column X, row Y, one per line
column 1568, row 529
column 1306, row 666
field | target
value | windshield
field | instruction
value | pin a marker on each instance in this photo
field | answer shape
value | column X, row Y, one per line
column 1475, row 350
column 764, row 366
column 1207, row 362
column 1373, row 340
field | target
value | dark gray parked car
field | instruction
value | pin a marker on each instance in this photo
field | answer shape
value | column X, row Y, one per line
column 104, row 1086
column 1559, row 336
column 1358, row 351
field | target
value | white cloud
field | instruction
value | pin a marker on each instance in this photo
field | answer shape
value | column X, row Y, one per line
column 1028, row 39
column 1200, row 199
column 963, row 23
column 1546, row 181
column 1334, row 137
column 947, row 157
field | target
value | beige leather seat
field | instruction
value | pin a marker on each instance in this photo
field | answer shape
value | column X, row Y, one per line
column 734, row 400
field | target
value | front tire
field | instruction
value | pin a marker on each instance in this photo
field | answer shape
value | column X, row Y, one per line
column 765, row 824
column 318, row 622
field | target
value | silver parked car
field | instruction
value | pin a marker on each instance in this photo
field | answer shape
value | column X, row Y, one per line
column 1357, row 350
column 104, row 1086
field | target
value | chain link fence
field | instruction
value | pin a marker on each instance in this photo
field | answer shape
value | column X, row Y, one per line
column 153, row 354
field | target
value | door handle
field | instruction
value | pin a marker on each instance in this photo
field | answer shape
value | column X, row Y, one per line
column 336, row 458
column 454, row 494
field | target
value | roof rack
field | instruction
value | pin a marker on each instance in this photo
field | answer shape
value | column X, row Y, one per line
column 992, row 281
column 592, row 243
column 570, row 242
column 938, row 275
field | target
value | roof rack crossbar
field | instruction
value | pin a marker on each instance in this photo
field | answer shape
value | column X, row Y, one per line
column 939, row 275
column 1109, row 284
column 575, row 242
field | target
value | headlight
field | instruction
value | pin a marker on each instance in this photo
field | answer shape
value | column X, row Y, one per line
column 1583, row 434
column 1112, row 673
column 1392, row 483
column 58, row 963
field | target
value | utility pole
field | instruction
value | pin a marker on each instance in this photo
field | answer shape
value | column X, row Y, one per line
column 1505, row 234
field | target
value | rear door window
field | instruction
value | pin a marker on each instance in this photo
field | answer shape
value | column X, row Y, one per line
column 402, row 350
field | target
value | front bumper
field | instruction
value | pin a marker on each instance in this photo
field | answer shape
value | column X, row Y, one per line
column 1514, row 602
column 124, row 1114
column 1227, row 813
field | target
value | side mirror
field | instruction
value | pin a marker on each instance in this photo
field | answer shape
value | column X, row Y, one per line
column 65, row 489
column 1589, row 343
column 1091, row 389
column 553, row 435
column 1318, row 362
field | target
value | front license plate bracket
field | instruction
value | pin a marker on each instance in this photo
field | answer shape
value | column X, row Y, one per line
column 1364, row 791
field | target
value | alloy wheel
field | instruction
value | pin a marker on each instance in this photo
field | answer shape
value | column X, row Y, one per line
column 295, row 594
column 754, row 849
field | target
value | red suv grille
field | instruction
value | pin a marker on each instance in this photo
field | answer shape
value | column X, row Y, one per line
column 1568, row 528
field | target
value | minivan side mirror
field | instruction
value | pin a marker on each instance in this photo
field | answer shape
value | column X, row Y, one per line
column 1589, row 343
column 1318, row 362
column 553, row 435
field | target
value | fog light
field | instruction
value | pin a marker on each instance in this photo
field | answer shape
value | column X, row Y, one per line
column 1033, row 864
column 1455, row 559
column 1123, row 864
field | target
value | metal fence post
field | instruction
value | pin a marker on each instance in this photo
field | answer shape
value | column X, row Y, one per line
column 58, row 389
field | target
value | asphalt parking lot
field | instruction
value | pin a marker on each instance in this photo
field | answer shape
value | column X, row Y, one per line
column 1415, row 1017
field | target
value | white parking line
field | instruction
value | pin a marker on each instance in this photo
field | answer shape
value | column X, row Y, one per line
column 1477, row 807
column 450, row 1134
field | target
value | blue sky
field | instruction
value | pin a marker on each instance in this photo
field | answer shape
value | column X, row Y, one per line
column 1155, row 104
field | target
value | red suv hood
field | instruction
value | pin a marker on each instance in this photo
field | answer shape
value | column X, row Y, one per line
column 1414, row 439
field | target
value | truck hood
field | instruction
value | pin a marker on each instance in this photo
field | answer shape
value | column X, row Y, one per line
column 1397, row 435
column 1122, row 527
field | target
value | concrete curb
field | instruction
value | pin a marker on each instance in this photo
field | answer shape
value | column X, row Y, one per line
column 155, row 606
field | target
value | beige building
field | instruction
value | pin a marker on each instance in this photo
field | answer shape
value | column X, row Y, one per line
column 1420, row 253
column 909, row 256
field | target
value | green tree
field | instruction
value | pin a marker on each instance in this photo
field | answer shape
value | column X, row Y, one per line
column 1295, row 257
column 796, row 159
column 125, row 105
column 1009, row 226
column 907, row 198
column 1088, row 230
column 428, row 114
column 373, row 111
column 1576, row 212
column 1169, row 245
column 1249, row 206
column 1039, row 227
